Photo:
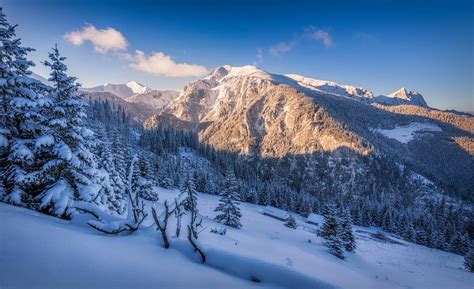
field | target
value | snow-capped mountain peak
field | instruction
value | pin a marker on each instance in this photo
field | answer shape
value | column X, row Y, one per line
column 121, row 90
column 228, row 71
column 403, row 93
column 138, row 87
column 402, row 96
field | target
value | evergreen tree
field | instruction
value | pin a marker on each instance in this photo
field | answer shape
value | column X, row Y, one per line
column 190, row 194
column 469, row 258
column 141, row 183
column 228, row 205
column 22, row 125
column 347, row 236
column 291, row 222
column 72, row 169
column 330, row 232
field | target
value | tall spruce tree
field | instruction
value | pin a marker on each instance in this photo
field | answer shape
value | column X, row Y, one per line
column 72, row 167
column 21, row 128
column 331, row 233
column 347, row 236
column 228, row 205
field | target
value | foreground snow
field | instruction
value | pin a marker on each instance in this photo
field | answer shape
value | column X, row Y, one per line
column 39, row 251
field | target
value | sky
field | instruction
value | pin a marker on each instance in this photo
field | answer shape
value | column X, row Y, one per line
column 381, row 45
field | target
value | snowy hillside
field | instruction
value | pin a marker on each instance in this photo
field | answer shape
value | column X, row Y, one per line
column 39, row 251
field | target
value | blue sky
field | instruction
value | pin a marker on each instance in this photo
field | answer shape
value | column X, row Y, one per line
column 381, row 45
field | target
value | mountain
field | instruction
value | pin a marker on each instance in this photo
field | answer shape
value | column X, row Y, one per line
column 248, row 111
column 402, row 96
column 121, row 90
column 155, row 98
column 331, row 87
column 138, row 112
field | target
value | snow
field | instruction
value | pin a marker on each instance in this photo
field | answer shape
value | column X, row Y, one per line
column 3, row 141
column 275, row 212
column 60, row 195
column 39, row 251
column 63, row 151
column 247, row 70
column 330, row 86
column 405, row 134
column 44, row 140
column 138, row 88
column 315, row 219
column 121, row 90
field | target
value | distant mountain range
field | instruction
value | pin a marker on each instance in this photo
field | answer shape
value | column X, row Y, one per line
column 121, row 90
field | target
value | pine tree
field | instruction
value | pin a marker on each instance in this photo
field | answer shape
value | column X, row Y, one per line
column 347, row 236
column 21, row 129
column 469, row 258
column 330, row 232
column 228, row 205
column 141, row 183
column 72, row 168
column 190, row 194
column 291, row 222
column 112, row 194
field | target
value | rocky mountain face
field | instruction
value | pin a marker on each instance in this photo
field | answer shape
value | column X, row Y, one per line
column 154, row 98
column 138, row 112
column 261, row 115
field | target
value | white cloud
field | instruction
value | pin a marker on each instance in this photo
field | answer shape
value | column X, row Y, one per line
column 160, row 64
column 103, row 40
column 281, row 48
column 318, row 34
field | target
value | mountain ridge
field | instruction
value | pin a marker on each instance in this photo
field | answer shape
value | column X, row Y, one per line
column 258, row 114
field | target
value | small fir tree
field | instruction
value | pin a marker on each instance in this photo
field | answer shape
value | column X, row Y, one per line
column 291, row 222
column 228, row 205
column 331, row 232
column 347, row 235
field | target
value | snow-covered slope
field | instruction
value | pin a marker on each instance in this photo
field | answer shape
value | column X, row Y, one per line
column 402, row 96
column 38, row 251
column 121, row 90
column 331, row 87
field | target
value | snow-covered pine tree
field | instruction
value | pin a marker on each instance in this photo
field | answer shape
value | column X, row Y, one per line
column 469, row 258
column 331, row 233
column 72, row 167
column 228, row 204
column 347, row 236
column 21, row 129
column 291, row 222
column 112, row 194
column 141, row 180
column 190, row 193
